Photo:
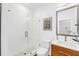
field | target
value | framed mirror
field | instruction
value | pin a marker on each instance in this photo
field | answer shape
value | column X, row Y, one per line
column 47, row 23
column 66, row 21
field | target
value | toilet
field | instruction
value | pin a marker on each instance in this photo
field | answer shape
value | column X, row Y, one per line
column 43, row 49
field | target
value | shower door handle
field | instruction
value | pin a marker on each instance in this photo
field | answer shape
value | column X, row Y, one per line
column 76, row 24
column 26, row 34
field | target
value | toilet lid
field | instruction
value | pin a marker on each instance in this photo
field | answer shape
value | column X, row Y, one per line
column 42, row 51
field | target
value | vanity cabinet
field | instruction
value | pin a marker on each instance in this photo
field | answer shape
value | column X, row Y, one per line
column 61, row 51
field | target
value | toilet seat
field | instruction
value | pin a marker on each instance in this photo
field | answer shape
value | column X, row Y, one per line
column 42, row 51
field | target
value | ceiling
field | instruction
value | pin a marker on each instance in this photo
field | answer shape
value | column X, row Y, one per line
column 35, row 6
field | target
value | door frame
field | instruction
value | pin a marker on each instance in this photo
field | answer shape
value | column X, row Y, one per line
column 0, row 25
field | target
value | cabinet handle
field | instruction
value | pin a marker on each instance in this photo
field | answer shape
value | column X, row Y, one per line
column 64, row 53
column 76, row 24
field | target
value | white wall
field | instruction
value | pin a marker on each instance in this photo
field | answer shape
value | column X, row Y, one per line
column 48, row 10
column 14, row 24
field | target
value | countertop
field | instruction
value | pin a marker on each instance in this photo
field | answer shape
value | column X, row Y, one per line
column 69, row 45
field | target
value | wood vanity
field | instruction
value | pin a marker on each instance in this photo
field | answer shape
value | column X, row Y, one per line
column 62, row 51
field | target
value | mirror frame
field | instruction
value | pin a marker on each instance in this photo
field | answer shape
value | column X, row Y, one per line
column 57, row 22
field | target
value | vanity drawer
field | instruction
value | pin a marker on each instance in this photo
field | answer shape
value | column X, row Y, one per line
column 69, row 52
column 61, row 51
column 55, row 51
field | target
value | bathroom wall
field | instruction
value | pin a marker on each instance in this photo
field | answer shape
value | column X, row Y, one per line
column 16, row 19
column 47, row 10
column 13, row 26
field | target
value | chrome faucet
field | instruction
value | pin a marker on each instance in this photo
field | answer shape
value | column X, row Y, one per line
column 65, row 38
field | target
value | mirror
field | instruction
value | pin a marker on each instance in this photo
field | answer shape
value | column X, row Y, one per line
column 65, row 26
column 66, row 21
column 47, row 23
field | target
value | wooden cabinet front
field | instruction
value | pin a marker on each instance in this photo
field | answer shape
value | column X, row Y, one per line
column 61, row 51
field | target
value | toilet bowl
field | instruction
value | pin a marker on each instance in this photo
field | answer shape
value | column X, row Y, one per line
column 42, row 52
column 43, row 49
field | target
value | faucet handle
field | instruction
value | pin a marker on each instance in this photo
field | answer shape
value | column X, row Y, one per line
column 75, row 40
column 65, row 38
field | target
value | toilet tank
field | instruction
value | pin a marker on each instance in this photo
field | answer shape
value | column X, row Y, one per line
column 44, row 44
